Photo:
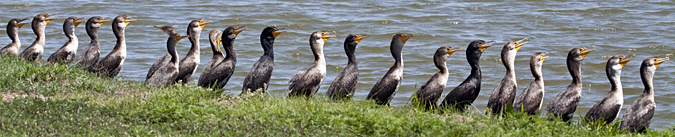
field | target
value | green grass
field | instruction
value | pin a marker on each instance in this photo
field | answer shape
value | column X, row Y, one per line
column 62, row 100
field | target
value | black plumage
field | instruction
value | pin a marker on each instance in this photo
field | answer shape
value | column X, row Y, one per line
column 385, row 89
column 345, row 83
column 505, row 92
column 34, row 51
column 91, row 53
column 427, row 96
column 609, row 107
column 220, row 69
column 66, row 53
column 258, row 77
column 463, row 95
column 639, row 115
column 307, row 82
column 532, row 98
column 167, row 73
column 13, row 32
column 565, row 103
column 112, row 63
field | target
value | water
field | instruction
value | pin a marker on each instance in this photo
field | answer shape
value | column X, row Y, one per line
column 641, row 28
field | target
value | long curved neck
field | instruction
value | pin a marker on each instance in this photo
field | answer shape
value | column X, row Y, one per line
column 93, row 33
column 396, row 51
column 349, row 50
column 536, row 71
column 508, row 59
column 13, row 33
column 267, row 43
column 574, row 67
column 317, row 50
column 440, row 63
column 171, row 47
column 473, row 59
column 69, row 30
column 194, row 39
column 39, row 31
column 228, row 44
column 119, row 34
column 647, row 77
column 214, row 48
column 614, row 76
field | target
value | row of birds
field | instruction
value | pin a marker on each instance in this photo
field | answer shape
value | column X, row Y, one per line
column 168, row 70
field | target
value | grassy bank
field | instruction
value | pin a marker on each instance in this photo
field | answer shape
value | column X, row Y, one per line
column 48, row 99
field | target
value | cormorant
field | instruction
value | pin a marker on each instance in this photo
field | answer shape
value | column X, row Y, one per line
column 609, row 107
column 66, row 53
column 427, row 96
column 166, row 74
column 638, row 116
column 565, row 103
column 463, row 95
column 261, row 72
column 307, row 82
column 505, row 92
column 220, row 68
column 345, row 83
column 385, row 89
column 188, row 64
column 531, row 99
column 13, row 32
column 91, row 53
column 35, row 50
column 111, row 64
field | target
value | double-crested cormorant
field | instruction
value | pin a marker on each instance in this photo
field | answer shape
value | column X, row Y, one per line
column 307, row 82
column 111, row 64
column 385, row 88
column 531, row 99
column 220, row 68
column 345, row 83
column 188, row 64
column 91, row 53
column 66, row 53
column 464, row 94
column 609, row 107
column 565, row 103
column 505, row 92
column 428, row 95
column 638, row 116
column 261, row 72
column 166, row 74
column 13, row 32
column 35, row 50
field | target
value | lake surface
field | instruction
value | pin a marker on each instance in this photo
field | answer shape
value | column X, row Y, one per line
column 642, row 28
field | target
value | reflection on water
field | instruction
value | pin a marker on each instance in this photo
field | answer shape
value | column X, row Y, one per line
column 643, row 29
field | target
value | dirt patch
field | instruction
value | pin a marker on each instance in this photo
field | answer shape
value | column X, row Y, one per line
column 8, row 97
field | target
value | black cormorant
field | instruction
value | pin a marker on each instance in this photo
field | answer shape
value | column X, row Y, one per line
column 531, row 99
column 35, row 50
column 429, row 93
column 13, row 32
column 385, row 89
column 261, row 72
column 307, row 82
column 66, row 53
column 565, row 103
column 609, row 107
column 463, row 95
column 91, row 53
column 220, row 68
column 112, row 63
column 166, row 74
column 345, row 83
column 638, row 116
column 505, row 92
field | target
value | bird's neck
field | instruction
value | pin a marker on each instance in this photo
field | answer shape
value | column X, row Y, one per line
column 214, row 48
column 574, row 67
column 92, row 32
column 440, row 64
column 171, row 47
column 194, row 40
column 13, row 33
column 508, row 59
column 614, row 77
column 40, row 33
column 474, row 63
column 536, row 72
column 351, row 58
column 228, row 44
column 647, row 77
column 396, row 52
column 317, row 50
column 267, row 45
column 121, row 42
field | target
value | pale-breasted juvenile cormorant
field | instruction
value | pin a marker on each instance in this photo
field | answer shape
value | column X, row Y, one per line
column 220, row 68
column 166, row 74
column 13, row 32
column 91, row 53
column 531, row 99
column 638, row 116
column 307, row 82
column 35, row 50
column 345, row 83
column 505, row 92
column 429, row 93
column 112, row 63
column 188, row 64
column 66, row 53
column 385, row 88
column 565, row 103
column 463, row 95
column 261, row 72
column 609, row 107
